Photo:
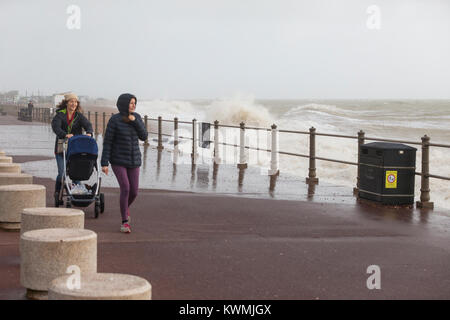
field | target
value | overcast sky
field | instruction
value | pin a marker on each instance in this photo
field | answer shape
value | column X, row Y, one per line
column 218, row 48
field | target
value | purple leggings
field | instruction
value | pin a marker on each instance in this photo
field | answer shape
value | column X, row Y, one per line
column 128, row 179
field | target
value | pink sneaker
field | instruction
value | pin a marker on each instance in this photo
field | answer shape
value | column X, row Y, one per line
column 125, row 228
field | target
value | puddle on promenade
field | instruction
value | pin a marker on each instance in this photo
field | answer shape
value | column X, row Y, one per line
column 159, row 171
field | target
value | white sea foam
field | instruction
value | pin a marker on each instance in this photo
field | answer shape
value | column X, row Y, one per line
column 408, row 120
column 226, row 111
column 234, row 111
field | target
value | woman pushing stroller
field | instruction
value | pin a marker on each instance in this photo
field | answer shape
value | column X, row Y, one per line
column 121, row 149
column 67, row 122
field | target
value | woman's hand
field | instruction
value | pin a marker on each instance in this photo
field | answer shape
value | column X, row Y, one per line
column 131, row 117
column 105, row 170
column 89, row 134
column 68, row 136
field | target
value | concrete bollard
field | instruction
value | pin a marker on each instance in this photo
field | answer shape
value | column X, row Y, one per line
column 46, row 218
column 101, row 286
column 15, row 178
column 16, row 197
column 4, row 159
column 47, row 254
column 10, row 168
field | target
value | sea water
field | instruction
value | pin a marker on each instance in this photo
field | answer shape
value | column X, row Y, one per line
column 390, row 119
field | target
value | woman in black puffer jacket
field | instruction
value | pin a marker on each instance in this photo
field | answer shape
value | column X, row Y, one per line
column 121, row 150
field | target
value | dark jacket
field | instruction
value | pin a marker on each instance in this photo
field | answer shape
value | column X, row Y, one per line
column 60, row 125
column 121, row 141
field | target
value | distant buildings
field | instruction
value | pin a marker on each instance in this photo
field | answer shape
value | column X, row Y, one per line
column 13, row 97
column 10, row 97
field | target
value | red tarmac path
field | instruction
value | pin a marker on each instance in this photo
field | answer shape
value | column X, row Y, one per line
column 197, row 246
column 206, row 246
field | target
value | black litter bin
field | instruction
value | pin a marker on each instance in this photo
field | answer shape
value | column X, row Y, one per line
column 387, row 172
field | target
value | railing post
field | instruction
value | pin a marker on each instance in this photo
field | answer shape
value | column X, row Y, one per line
column 104, row 123
column 361, row 140
column 96, row 123
column 146, row 128
column 160, row 146
column 216, row 142
column 175, row 132
column 312, row 157
column 194, row 153
column 425, row 180
column 242, row 161
column 175, row 148
column 274, row 154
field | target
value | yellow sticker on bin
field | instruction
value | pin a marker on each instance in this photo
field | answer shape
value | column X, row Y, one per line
column 391, row 179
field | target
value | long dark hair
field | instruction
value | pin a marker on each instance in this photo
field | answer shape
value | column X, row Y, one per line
column 63, row 105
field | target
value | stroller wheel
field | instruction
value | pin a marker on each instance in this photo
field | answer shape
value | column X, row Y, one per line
column 102, row 202
column 97, row 209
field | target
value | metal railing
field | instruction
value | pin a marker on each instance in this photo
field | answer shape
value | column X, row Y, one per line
column 312, row 176
column 39, row 114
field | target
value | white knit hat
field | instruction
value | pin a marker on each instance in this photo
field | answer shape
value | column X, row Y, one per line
column 69, row 96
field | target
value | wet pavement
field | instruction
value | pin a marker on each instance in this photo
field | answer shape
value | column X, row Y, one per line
column 159, row 171
column 204, row 246
column 207, row 245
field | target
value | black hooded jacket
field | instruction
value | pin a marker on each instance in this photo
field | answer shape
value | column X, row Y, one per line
column 121, row 141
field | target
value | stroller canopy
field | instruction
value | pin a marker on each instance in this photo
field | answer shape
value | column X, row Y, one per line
column 82, row 144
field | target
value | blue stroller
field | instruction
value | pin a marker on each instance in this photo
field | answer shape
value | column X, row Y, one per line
column 80, row 160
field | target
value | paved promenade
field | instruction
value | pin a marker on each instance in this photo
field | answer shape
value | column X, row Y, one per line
column 210, row 246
